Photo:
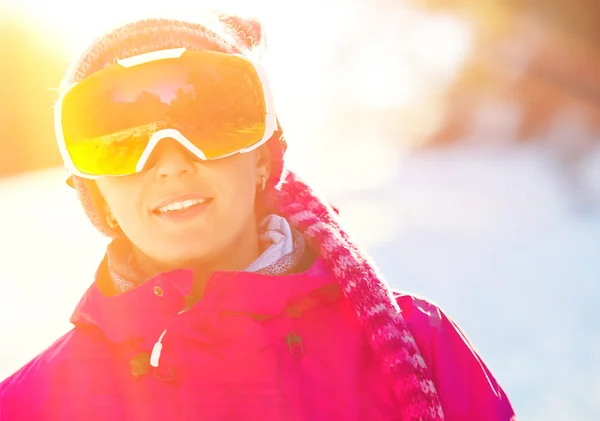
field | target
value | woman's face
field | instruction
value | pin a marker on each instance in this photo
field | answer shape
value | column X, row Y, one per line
column 181, row 212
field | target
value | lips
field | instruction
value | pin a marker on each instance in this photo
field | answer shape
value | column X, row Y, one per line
column 180, row 203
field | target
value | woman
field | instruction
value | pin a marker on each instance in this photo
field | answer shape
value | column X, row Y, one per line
column 229, row 290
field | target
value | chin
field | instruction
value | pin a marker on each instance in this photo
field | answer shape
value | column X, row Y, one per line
column 190, row 256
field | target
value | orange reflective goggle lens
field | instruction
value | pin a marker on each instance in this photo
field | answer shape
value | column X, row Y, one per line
column 216, row 104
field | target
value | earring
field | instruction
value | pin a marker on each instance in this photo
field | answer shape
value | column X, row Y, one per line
column 111, row 221
column 263, row 183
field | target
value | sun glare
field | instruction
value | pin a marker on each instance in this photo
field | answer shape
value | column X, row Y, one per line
column 77, row 24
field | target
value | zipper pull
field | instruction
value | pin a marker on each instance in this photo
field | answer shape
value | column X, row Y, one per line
column 157, row 350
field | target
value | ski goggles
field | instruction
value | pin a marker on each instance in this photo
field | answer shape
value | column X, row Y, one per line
column 214, row 104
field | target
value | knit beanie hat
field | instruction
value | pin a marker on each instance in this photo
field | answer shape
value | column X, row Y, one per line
column 371, row 299
column 214, row 32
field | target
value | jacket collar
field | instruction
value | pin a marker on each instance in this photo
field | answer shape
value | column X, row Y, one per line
column 144, row 312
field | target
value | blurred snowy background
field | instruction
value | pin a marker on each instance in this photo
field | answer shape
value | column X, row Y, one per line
column 460, row 141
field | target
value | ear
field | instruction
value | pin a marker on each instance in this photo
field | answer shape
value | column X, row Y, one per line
column 263, row 162
column 99, row 199
column 105, row 208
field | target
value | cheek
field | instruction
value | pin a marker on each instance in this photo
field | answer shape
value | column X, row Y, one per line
column 239, row 189
column 124, row 203
column 128, row 213
column 241, row 192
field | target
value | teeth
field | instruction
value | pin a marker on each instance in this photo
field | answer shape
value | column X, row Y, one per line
column 177, row 206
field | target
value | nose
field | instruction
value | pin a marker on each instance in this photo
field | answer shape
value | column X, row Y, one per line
column 170, row 159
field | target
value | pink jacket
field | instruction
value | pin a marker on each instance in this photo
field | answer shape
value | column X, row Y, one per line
column 256, row 347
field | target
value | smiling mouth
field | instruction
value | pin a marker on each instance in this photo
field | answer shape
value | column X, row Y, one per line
column 182, row 206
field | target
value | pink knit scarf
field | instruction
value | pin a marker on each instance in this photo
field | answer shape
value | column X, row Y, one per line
column 366, row 291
